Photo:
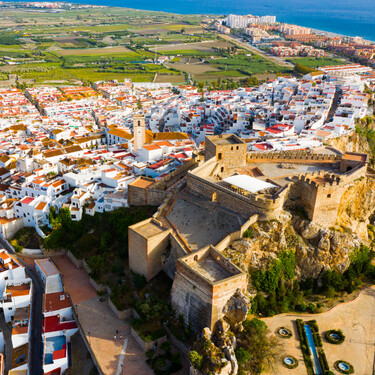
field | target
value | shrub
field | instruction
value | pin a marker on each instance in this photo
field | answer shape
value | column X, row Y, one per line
column 248, row 233
column 196, row 359
column 139, row 281
column 337, row 368
column 330, row 292
column 17, row 248
column 292, row 366
column 337, row 332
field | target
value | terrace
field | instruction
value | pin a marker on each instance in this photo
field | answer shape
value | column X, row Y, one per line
column 54, row 348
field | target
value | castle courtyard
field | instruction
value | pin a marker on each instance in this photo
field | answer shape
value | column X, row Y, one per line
column 201, row 223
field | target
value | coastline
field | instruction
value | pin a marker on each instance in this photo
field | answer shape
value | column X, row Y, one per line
column 210, row 11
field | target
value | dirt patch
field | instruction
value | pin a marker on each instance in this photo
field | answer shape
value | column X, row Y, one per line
column 170, row 78
column 94, row 51
column 198, row 68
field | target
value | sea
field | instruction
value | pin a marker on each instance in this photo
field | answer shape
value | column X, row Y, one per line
column 346, row 17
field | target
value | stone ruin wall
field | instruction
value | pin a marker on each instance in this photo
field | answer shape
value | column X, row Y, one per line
column 200, row 301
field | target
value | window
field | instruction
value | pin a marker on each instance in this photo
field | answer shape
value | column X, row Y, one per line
column 238, row 147
column 231, row 148
column 219, row 155
column 222, row 169
column 328, row 195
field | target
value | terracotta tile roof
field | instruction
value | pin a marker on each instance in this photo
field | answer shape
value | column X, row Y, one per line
column 121, row 133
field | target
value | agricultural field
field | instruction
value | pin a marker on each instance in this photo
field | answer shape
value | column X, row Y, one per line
column 313, row 62
column 91, row 44
column 94, row 51
column 206, row 46
column 194, row 68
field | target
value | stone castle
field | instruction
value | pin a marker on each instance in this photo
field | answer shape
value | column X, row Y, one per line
column 206, row 205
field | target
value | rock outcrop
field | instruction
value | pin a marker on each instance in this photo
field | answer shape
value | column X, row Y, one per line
column 235, row 311
column 315, row 247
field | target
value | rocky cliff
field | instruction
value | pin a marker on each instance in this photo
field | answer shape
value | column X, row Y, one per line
column 315, row 247
column 357, row 206
column 350, row 143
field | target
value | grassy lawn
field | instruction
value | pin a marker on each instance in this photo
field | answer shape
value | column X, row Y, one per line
column 313, row 62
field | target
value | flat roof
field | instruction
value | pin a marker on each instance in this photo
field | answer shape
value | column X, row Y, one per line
column 47, row 267
column 142, row 182
column 20, row 356
column 251, row 184
column 56, row 301
column 210, row 269
column 149, row 228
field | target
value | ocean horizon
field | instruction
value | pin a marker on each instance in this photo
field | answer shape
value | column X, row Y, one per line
column 344, row 17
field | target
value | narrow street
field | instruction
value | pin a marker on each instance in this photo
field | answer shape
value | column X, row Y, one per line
column 35, row 360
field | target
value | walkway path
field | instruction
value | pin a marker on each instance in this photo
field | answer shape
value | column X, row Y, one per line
column 357, row 321
column 100, row 325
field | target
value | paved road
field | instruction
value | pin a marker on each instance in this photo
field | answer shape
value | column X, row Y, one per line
column 35, row 361
column 334, row 106
column 274, row 59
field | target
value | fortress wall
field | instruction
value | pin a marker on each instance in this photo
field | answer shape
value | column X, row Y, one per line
column 137, row 253
column 223, row 291
column 291, row 157
column 357, row 172
column 201, row 302
column 228, row 154
column 246, row 206
column 138, row 196
column 192, row 297
column 176, row 251
column 174, row 176
column 145, row 252
column 225, row 242
column 320, row 201
column 156, row 193
column 156, row 246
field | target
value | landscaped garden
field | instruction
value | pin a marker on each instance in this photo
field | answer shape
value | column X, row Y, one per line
column 312, row 348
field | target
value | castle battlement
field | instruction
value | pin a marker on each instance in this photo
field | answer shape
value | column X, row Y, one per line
column 291, row 156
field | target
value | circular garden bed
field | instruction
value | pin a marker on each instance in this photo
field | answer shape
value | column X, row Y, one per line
column 290, row 362
column 343, row 367
column 335, row 336
column 284, row 333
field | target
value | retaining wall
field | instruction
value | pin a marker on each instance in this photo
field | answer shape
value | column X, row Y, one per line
column 120, row 314
column 146, row 346
column 75, row 261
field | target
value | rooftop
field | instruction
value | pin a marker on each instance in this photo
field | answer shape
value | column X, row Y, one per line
column 142, row 182
column 210, row 269
column 149, row 228
column 56, row 301
column 47, row 267
column 20, row 356
column 210, row 264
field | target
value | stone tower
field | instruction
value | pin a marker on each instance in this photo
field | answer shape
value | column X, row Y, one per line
column 139, row 131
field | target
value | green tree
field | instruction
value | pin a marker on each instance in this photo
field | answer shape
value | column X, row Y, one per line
column 196, row 359
column 288, row 262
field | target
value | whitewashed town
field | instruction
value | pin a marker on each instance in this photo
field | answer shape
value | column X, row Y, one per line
column 80, row 147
